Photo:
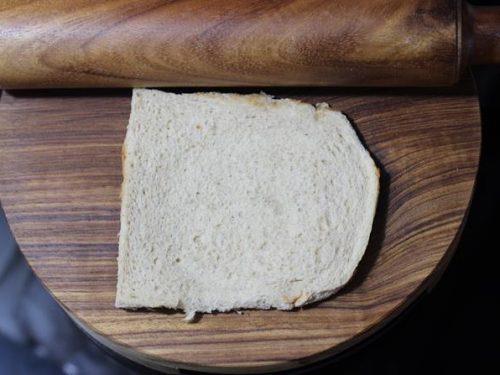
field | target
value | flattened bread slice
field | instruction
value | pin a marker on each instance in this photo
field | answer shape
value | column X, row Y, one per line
column 232, row 201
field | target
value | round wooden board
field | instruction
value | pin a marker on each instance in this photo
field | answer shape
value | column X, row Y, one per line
column 60, row 176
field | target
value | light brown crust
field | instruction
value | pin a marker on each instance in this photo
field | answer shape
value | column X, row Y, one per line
column 260, row 100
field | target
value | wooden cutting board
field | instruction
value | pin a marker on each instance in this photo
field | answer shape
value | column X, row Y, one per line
column 60, row 176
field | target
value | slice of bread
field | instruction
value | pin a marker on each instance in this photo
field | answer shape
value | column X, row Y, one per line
column 232, row 201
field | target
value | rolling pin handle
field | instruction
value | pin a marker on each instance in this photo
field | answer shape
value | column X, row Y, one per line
column 481, row 34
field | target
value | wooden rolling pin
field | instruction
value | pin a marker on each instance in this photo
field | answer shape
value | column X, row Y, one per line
column 124, row 43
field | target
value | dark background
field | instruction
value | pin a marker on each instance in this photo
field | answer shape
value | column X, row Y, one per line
column 452, row 329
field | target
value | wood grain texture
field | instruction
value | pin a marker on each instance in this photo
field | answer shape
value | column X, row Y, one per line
column 129, row 43
column 60, row 176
